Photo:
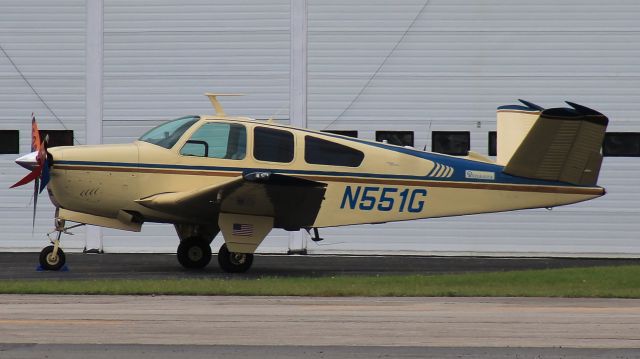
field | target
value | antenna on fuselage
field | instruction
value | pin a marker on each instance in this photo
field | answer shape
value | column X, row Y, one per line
column 216, row 104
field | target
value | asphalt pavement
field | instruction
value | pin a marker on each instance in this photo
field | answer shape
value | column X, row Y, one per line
column 72, row 326
column 158, row 266
column 137, row 351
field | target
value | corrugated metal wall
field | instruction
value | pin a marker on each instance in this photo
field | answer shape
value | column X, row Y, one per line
column 161, row 57
column 46, row 42
column 456, row 64
column 449, row 71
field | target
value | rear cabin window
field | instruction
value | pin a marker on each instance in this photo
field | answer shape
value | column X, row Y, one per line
column 322, row 152
column 272, row 145
column 217, row 140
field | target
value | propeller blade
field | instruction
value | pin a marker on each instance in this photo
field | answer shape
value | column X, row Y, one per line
column 45, row 177
column 43, row 161
column 35, row 174
column 35, row 134
column 38, row 166
column 36, row 185
column 38, row 162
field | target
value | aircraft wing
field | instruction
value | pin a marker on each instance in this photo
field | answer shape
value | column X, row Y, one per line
column 292, row 202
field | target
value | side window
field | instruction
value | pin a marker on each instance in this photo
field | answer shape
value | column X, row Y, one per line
column 349, row 133
column 58, row 137
column 399, row 138
column 217, row 140
column 9, row 141
column 456, row 143
column 621, row 144
column 493, row 143
column 272, row 145
column 322, row 152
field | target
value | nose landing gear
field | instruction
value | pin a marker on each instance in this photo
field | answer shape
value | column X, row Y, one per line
column 52, row 257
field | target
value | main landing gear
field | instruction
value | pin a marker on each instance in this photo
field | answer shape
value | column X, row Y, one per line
column 52, row 257
column 195, row 253
column 194, row 250
column 232, row 262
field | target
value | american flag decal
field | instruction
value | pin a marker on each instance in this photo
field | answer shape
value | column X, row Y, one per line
column 241, row 229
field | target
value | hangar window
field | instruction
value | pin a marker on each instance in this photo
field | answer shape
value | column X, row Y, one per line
column 9, row 141
column 456, row 143
column 348, row 133
column 323, row 152
column 400, row 138
column 621, row 144
column 217, row 140
column 493, row 144
column 272, row 145
column 57, row 137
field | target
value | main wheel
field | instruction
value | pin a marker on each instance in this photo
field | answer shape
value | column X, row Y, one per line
column 232, row 262
column 194, row 253
column 50, row 261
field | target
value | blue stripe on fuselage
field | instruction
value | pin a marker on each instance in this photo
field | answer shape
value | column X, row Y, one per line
column 460, row 165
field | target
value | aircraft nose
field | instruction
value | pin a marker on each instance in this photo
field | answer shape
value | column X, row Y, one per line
column 28, row 161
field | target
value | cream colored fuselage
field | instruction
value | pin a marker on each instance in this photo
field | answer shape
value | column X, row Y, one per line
column 392, row 183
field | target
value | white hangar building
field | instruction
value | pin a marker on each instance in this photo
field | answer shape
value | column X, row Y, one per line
column 423, row 73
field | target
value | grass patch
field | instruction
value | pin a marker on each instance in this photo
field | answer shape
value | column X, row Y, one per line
column 604, row 282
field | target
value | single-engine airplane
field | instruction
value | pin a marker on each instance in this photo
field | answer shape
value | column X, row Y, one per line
column 242, row 177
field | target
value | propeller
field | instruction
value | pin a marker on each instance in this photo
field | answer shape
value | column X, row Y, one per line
column 38, row 162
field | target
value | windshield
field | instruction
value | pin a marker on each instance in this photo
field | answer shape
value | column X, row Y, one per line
column 167, row 134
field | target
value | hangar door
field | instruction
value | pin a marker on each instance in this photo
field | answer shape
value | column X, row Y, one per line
column 437, row 66
column 161, row 57
column 42, row 70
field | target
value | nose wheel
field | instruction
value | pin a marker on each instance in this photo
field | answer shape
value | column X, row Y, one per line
column 52, row 257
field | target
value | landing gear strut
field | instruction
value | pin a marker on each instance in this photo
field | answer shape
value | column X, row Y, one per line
column 52, row 257
column 232, row 262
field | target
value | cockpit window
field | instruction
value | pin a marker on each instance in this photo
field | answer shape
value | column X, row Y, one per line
column 167, row 134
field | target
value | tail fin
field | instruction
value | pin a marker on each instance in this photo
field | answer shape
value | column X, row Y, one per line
column 563, row 145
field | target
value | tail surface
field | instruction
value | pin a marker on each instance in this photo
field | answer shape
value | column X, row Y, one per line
column 562, row 145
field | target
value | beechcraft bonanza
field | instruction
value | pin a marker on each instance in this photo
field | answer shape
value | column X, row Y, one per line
column 209, row 174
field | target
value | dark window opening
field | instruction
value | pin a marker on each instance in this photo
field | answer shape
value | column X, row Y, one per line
column 456, row 143
column 621, row 144
column 493, row 144
column 272, row 145
column 9, row 141
column 400, row 138
column 348, row 133
column 322, row 152
column 57, row 137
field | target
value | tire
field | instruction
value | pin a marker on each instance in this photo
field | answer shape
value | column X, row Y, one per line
column 46, row 261
column 194, row 253
column 232, row 262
